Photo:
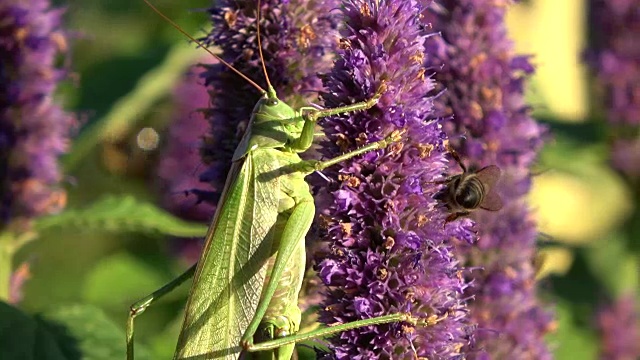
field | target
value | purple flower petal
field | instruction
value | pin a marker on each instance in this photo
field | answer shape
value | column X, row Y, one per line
column 615, row 60
column 34, row 130
column 619, row 325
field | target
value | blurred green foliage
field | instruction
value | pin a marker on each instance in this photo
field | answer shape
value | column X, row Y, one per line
column 126, row 61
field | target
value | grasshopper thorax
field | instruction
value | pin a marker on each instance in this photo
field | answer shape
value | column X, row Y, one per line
column 273, row 124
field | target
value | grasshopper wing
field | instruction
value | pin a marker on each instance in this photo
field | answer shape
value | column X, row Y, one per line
column 230, row 275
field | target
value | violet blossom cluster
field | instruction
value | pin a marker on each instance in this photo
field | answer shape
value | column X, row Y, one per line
column 296, row 38
column 180, row 162
column 491, row 124
column 615, row 58
column 388, row 247
column 34, row 130
column 619, row 326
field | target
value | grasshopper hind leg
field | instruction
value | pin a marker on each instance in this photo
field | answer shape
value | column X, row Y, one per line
column 141, row 305
column 277, row 327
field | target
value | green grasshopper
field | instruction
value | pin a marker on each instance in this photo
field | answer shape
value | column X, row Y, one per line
column 248, row 278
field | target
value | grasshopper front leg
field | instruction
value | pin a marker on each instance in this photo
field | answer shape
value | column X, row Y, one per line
column 311, row 116
column 395, row 136
column 316, row 114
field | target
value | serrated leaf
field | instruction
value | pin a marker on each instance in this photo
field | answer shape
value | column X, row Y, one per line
column 121, row 214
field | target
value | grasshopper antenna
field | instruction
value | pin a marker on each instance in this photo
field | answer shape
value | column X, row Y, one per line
column 149, row 4
column 264, row 68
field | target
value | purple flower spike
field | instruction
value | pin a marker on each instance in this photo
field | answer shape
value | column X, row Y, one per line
column 619, row 325
column 388, row 248
column 625, row 156
column 484, row 82
column 180, row 162
column 34, row 130
column 296, row 36
column 615, row 59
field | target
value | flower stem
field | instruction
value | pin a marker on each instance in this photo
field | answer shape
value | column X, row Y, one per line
column 152, row 86
column 6, row 263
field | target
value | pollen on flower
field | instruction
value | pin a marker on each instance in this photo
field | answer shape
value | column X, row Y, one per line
column 425, row 150
column 306, row 35
column 395, row 148
column 382, row 274
column 365, row 10
column 389, row 242
column 230, row 18
column 344, row 44
column 422, row 220
column 418, row 57
column 350, row 181
column 346, row 227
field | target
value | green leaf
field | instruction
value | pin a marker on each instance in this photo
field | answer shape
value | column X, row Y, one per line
column 123, row 214
column 119, row 280
column 94, row 336
column 307, row 349
column 614, row 264
column 23, row 337
column 164, row 343
column 64, row 333
column 572, row 340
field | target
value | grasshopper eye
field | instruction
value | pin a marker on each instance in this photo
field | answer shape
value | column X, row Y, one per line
column 272, row 102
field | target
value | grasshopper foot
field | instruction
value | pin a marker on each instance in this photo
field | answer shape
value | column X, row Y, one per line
column 246, row 343
column 394, row 137
column 376, row 97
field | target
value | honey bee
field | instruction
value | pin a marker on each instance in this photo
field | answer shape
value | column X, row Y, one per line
column 470, row 190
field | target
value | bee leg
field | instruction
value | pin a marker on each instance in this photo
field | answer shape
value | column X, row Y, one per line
column 448, row 180
column 456, row 215
column 440, row 182
column 456, row 157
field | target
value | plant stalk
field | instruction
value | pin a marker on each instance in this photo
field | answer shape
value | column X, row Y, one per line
column 6, row 264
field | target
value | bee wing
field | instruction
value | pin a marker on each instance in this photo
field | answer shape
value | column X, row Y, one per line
column 489, row 175
column 492, row 201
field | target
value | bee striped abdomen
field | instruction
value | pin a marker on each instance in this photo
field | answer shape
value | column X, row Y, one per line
column 470, row 193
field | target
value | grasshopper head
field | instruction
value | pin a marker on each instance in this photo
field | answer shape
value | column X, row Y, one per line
column 271, row 112
column 273, row 124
